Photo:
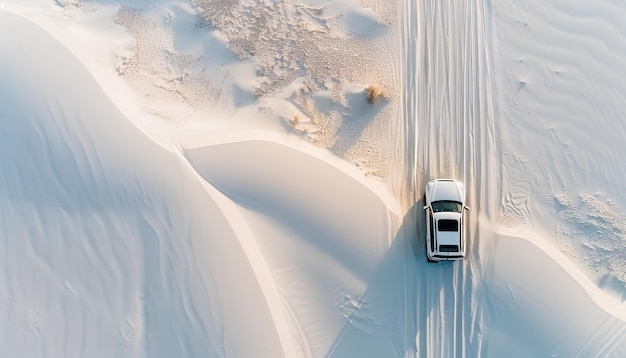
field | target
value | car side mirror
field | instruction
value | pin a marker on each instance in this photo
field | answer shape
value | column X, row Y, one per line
column 466, row 207
column 425, row 207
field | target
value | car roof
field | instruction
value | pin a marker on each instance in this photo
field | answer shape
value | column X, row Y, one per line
column 448, row 237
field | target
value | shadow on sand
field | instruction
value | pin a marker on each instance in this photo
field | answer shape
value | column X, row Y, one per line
column 401, row 291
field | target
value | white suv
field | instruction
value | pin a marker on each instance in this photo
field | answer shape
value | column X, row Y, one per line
column 445, row 231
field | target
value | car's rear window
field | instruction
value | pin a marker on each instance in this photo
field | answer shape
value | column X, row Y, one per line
column 448, row 225
column 449, row 248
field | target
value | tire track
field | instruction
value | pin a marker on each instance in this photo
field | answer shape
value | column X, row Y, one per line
column 450, row 132
column 607, row 337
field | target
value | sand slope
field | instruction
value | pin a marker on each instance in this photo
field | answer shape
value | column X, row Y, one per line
column 193, row 179
column 108, row 251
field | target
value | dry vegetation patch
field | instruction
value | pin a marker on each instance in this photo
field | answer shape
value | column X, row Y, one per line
column 374, row 93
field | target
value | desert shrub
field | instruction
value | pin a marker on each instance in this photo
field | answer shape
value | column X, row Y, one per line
column 373, row 94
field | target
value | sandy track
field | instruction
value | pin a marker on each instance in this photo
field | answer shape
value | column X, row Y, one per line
column 413, row 308
column 449, row 132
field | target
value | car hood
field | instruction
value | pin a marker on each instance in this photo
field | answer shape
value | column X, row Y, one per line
column 445, row 190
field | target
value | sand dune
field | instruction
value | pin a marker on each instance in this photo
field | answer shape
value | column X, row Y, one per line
column 195, row 178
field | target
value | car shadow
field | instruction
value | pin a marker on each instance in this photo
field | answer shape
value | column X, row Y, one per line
column 404, row 288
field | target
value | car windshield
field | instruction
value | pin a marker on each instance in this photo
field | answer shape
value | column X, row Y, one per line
column 446, row 205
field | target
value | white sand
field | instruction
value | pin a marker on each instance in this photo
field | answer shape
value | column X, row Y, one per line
column 193, row 179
